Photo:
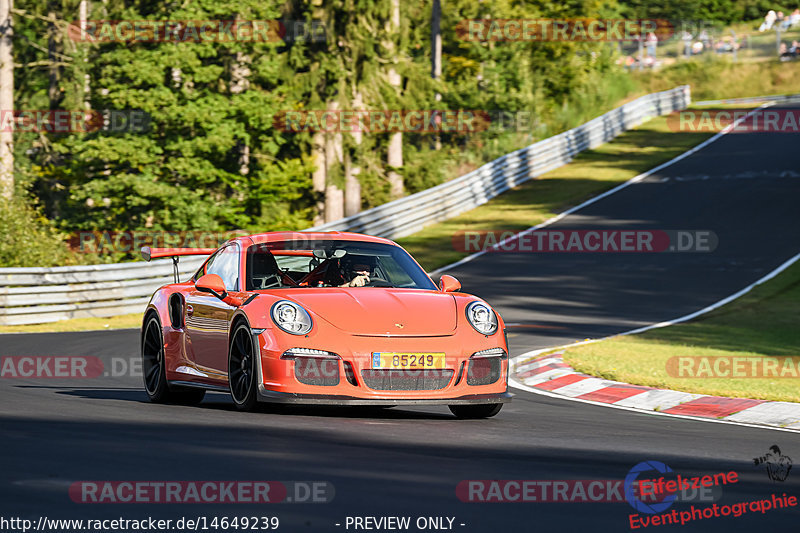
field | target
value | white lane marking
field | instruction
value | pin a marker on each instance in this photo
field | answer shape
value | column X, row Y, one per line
column 618, row 188
column 779, row 413
column 584, row 387
column 793, row 428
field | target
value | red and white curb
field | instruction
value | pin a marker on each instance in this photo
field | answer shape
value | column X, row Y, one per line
column 550, row 374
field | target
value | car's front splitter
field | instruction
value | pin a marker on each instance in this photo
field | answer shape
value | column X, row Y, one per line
column 265, row 395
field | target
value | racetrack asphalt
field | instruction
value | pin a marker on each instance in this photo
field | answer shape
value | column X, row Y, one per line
column 408, row 462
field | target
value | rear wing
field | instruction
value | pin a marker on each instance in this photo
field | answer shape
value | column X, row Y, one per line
column 149, row 254
column 154, row 253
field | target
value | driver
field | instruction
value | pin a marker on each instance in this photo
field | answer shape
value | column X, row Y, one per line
column 357, row 270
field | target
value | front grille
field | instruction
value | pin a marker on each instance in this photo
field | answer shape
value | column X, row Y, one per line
column 484, row 371
column 317, row 371
column 406, row 379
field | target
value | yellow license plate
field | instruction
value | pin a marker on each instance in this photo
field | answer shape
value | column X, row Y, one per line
column 408, row 361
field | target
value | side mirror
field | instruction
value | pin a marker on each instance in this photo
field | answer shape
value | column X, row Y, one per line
column 213, row 284
column 448, row 283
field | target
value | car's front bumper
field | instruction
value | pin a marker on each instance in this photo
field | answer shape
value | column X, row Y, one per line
column 277, row 380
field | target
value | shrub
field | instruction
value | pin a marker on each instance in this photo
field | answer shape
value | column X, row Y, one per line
column 28, row 238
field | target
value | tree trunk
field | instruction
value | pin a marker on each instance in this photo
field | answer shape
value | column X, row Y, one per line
column 352, row 185
column 6, row 100
column 240, row 82
column 240, row 73
column 244, row 158
column 83, row 16
column 177, row 77
column 394, row 157
column 436, row 40
column 436, row 54
column 334, row 203
column 318, row 177
column 352, row 188
column 54, row 49
column 334, row 196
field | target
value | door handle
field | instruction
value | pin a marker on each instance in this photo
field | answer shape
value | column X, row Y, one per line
column 189, row 310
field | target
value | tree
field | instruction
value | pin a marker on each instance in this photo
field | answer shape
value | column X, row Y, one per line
column 211, row 158
column 394, row 156
column 6, row 100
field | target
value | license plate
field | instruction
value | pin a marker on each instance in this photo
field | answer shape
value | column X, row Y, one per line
column 408, row 361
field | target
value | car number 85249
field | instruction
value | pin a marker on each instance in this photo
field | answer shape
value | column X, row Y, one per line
column 408, row 361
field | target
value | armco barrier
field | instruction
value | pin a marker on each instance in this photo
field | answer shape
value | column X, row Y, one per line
column 775, row 99
column 38, row 295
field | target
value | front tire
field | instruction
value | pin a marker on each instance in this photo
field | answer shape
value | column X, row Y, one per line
column 476, row 411
column 154, row 369
column 242, row 369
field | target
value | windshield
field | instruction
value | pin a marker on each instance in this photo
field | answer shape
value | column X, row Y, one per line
column 329, row 263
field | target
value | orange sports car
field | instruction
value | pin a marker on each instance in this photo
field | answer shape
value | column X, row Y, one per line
column 322, row 318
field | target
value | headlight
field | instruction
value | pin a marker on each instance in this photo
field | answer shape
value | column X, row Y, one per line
column 291, row 318
column 482, row 318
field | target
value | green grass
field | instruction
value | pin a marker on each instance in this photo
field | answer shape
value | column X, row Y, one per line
column 762, row 323
column 715, row 78
column 533, row 202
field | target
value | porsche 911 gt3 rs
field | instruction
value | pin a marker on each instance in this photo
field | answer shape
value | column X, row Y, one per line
column 322, row 318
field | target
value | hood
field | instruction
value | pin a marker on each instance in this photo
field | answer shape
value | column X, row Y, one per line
column 373, row 311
